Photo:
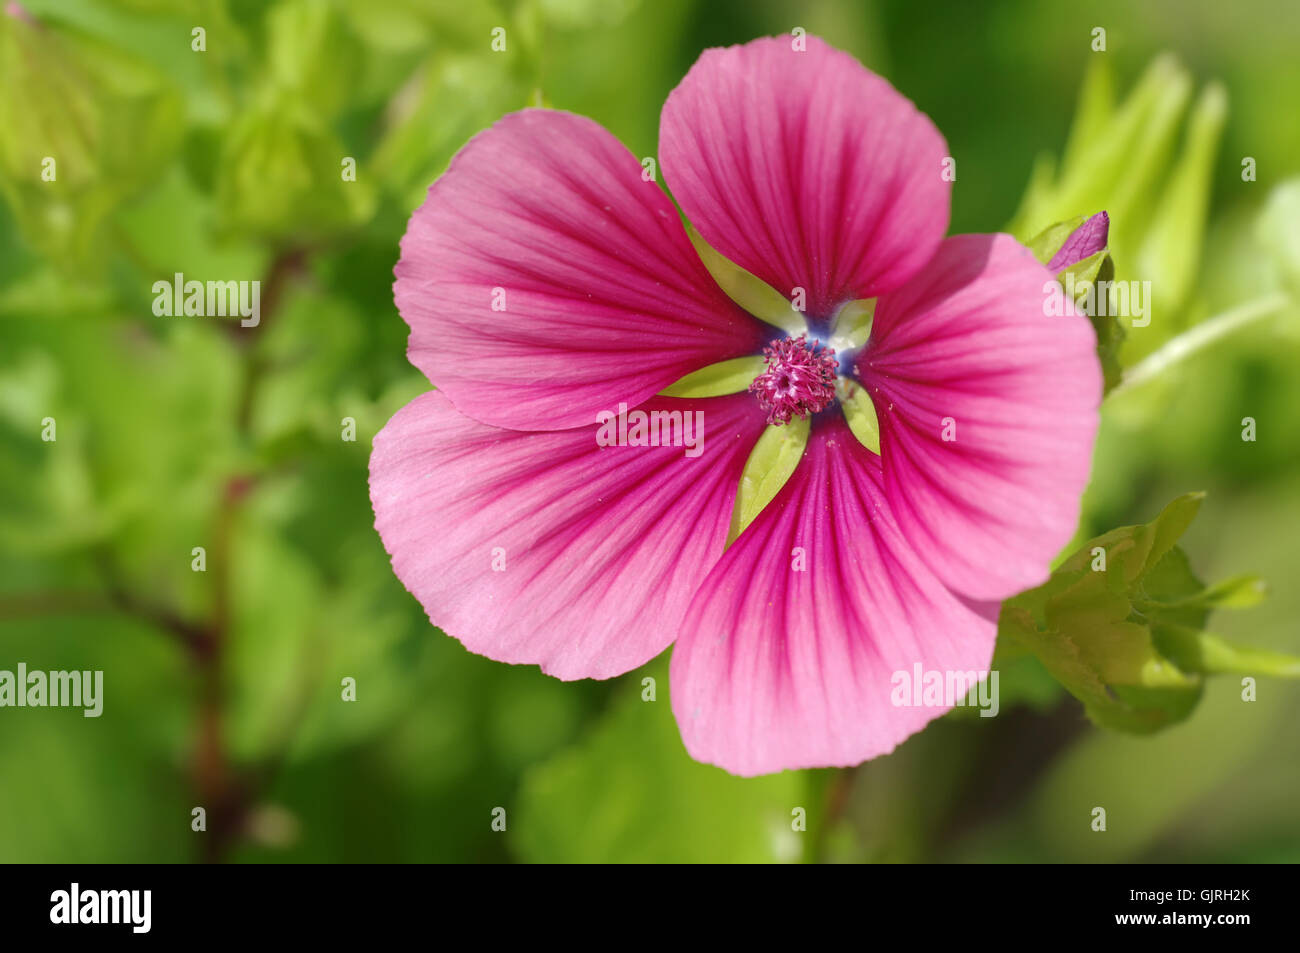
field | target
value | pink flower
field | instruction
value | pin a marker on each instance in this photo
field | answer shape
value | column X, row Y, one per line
column 546, row 282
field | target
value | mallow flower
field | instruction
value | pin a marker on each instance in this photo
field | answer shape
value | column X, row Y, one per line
column 553, row 294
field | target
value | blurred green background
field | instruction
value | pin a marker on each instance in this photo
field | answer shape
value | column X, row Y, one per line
column 223, row 687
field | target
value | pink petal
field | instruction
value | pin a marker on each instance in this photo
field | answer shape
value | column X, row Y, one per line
column 779, row 668
column 967, row 345
column 603, row 547
column 806, row 169
column 605, row 299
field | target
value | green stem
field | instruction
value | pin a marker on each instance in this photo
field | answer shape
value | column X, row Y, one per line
column 832, row 788
column 1200, row 337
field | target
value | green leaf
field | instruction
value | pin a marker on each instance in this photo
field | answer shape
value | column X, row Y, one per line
column 852, row 324
column 583, row 14
column 1239, row 592
column 280, row 176
column 1128, row 159
column 1278, row 231
column 1120, row 623
column 102, row 789
column 1114, row 154
column 1048, row 242
column 725, row 377
column 750, row 292
column 1110, row 333
column 776, row 453
column 1094, row 111
column 450, row 98
column 860, row 414
column 1202, row 652
column 630, row 793
column 85, row 127
column 313, row 53
column 1169, row 255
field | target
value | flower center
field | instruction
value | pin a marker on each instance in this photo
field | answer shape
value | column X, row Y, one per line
column 799, row 379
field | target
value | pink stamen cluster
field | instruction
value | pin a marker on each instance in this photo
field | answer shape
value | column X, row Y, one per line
column 799, row 379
